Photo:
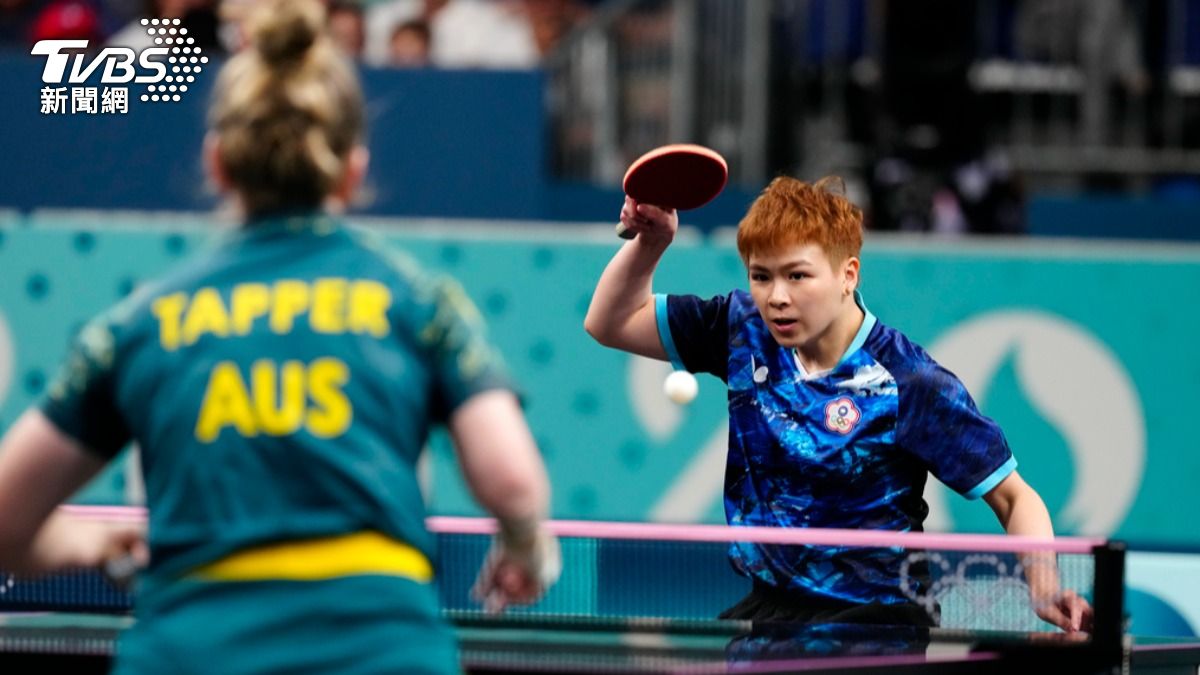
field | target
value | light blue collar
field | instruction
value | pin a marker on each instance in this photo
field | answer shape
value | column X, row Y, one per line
column 860, row 338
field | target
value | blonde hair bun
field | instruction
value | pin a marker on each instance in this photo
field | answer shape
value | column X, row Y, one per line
column 282, row 31
column 287, row 110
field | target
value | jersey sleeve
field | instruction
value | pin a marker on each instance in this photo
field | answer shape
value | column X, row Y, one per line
column 81, row 399
column 462, row 360
column 694, row 332
column 940, row 424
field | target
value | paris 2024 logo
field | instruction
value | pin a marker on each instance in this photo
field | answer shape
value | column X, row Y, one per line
column 1080, row 388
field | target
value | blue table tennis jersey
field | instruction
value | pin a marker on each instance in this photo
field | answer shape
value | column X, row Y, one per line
column 846, row 448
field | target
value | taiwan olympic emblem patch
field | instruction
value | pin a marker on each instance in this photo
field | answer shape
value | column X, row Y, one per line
column 841, row 415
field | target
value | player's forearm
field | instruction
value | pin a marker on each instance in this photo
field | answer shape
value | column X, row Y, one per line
column 624, row 288
column 1028, row 517
column 39, row 468
column 516, row 499
column 1019, row 508
column 519, row 504
column 500, row 460
column 1025, row 514
column 53, row 547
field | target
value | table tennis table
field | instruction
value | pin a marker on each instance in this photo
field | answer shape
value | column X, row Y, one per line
column 86, row 643
column 642, row 605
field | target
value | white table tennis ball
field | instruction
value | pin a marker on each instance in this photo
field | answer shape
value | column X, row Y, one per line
column 681, row 387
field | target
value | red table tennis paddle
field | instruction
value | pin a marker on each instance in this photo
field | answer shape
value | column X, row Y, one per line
column 680, row 176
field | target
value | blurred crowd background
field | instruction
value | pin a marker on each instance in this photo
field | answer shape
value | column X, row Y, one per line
column 942, row 115
column 387, row 33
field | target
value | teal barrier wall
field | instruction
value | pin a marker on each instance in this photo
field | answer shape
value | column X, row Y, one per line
column 1082, row 354
column 1161, row 593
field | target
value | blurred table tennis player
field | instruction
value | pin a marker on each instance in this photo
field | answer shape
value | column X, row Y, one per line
column 835, row 418
column 281, row 387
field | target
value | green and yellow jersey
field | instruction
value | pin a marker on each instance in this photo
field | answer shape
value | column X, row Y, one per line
column 280, row 388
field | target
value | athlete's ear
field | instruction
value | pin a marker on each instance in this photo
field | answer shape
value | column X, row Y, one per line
column 353, row 174
column 212, row 163
column 850, row 270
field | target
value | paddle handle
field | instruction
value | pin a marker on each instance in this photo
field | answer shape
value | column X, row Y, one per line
column 624, row 232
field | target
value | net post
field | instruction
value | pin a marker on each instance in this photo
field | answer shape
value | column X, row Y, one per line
column 1108, row 602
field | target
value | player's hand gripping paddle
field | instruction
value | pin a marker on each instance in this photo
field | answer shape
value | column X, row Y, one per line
column 680, row 176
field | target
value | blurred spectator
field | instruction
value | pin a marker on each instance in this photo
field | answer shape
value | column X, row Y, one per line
column 483, row 34
column 385, row 16
column 232, row 14
column 67, row 20
column 551, row 20
column 347, row 28
column 463, row 33
column 982, row 196
column 409, row 46
column 15, row 18
column 198, row 16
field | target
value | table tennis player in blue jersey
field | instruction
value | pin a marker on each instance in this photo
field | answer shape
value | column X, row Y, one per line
column 281, row 387
column 835, row 419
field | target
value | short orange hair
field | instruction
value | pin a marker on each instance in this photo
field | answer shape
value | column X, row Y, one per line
column 790, row 212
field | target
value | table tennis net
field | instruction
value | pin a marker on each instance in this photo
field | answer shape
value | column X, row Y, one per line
column 639, row 572
column 689, row 580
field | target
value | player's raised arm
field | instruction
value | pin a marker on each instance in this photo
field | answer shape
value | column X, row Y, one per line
column 622, row 311
column 504, row 471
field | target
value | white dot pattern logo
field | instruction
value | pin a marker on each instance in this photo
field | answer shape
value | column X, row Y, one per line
column 171, row 27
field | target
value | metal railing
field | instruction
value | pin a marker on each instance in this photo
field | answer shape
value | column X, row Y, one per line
column 647, row 72
column 1064, row 88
